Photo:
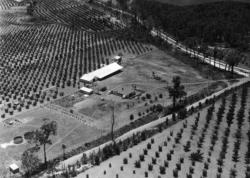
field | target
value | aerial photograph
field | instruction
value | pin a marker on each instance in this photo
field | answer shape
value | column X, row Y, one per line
column 125, row 88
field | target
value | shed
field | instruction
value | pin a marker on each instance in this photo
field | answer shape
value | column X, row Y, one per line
column 14, row 168
column 118, row 59
column 86, row 90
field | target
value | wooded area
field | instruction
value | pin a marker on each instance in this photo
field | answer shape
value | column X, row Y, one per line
column 220, row 22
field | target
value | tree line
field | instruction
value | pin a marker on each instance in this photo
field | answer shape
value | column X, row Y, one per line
column 220, row 22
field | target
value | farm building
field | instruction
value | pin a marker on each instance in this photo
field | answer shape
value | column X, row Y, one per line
column 118, row 59
column 14, row 168
column 101, row 73
column 86, row 90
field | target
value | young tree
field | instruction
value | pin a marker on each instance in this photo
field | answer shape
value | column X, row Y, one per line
column 29, row 162
column 63, row 148
column 232, row 57
column 42, row 136
column 177, row 90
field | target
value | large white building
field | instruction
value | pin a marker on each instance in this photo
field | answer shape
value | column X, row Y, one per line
column 101, row 73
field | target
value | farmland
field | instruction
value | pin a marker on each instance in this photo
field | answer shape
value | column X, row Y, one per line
column 42, row 59
column 150, row 91
column 44, row 55
column 88, row 118
column 213, row 142
column 46, row 50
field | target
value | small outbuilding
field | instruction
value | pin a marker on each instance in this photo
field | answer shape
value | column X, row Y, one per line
column 14, row 168
column 118, row 59
column 86, row 90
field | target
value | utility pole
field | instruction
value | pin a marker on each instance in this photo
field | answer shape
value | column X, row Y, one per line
column 113, row 123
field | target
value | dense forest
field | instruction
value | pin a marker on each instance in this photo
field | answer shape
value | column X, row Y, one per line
column 219, row 22
column 191, row 2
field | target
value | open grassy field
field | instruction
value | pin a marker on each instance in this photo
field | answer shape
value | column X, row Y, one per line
column 211, row 143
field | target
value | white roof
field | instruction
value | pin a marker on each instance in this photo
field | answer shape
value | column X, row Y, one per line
column 102, row 72
column 14, row 167
column 88, row 77
column 85, row 89
column 117, row 57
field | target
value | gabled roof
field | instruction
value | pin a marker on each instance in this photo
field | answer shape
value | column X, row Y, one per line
column 102, row 72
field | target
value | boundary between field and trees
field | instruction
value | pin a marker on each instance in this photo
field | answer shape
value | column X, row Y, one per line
column 211, row 60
